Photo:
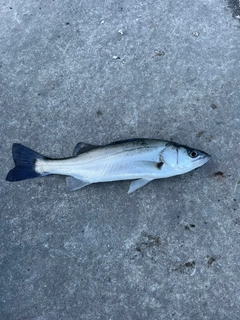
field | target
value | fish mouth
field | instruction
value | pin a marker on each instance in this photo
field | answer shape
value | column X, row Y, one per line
column 204, row 158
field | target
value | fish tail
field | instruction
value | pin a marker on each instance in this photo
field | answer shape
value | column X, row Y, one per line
column 24, row 159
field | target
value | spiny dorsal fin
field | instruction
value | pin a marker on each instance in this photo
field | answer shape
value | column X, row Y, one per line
column 138, row 140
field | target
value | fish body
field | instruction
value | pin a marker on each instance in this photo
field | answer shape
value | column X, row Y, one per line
column 141, row 160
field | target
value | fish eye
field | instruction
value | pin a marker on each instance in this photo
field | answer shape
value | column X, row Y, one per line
column 192, row 153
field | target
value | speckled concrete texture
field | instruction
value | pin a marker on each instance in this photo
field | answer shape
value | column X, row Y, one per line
column 100, row 71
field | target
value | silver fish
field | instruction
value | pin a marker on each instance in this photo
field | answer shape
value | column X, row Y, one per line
column 141, row 160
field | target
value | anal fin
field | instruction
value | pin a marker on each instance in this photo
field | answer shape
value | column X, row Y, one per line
column 136, row 184
column 75, row 184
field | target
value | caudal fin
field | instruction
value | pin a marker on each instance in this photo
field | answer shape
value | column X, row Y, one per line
column 24, row 159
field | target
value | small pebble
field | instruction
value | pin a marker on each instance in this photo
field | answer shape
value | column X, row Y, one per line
column 196, row 34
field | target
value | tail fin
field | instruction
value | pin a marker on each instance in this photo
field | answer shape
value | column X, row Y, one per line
column 24, row 159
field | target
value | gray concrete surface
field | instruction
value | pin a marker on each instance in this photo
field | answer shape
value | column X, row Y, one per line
column 99, row 71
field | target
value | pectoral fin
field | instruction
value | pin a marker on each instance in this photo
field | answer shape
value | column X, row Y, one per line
column 136, row 184
column 75, row 184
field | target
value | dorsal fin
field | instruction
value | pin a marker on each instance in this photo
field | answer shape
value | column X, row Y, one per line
column 82, row 147
column 139, row 140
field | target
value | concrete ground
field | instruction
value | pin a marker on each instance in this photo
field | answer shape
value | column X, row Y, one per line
column 100, row 71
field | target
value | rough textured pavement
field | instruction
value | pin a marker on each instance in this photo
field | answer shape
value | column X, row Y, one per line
column 99, row 71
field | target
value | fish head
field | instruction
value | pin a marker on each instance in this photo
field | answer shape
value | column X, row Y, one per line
column 183, row 159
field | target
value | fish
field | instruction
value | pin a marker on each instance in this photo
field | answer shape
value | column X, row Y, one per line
column 140, row 160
